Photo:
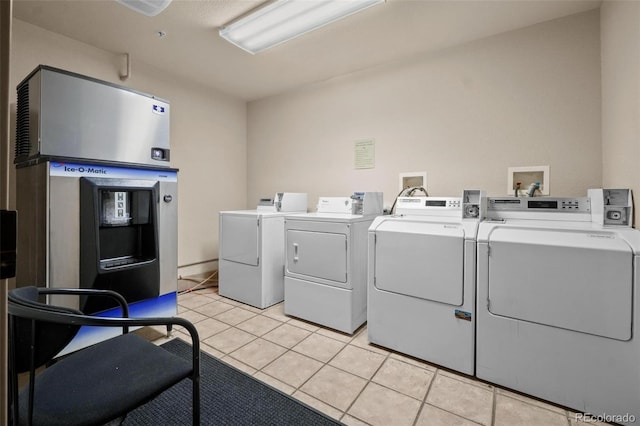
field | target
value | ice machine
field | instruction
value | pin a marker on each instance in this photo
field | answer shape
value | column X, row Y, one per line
column 96, row 197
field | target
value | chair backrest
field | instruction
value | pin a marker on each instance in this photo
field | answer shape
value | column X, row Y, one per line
column 50, row 338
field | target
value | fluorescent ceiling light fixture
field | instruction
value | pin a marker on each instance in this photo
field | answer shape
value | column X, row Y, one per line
column 146, row 7
column 283, row 20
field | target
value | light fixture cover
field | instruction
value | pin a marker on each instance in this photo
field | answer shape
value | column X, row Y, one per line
column 283, row 20
column 146, row 7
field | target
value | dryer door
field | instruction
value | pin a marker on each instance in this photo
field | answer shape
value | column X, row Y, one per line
column 577, row 280
column 239, row 239
column 320, row 254
column 420, row 259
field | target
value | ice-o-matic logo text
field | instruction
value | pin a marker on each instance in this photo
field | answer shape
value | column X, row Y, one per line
column 82, row 169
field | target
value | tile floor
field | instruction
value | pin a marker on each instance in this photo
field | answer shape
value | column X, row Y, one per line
column 346, row 377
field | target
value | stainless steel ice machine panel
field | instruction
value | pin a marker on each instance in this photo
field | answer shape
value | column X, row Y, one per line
column 67, row 115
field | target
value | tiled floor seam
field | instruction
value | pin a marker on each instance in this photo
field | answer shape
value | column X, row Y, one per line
column 369, row 381
column 424, row 398
column 493, row 406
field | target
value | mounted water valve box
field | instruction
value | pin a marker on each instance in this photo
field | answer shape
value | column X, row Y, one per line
column 611, row 206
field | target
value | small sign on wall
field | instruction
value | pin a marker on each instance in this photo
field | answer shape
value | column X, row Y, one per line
column 365, row 154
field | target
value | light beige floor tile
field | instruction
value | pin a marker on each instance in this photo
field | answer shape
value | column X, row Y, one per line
column 362, row 340
column 303, row 324
column 192, row 316
column 463, row 378
column 319, row 347
column 239, row 365
column 235, row 316
column 461, row 398
column 276, row 312
column 413, row 361
column 286, row 335
column 531, row 401
column 213, row 308
column 352, row 421
column 211, row 351
column 318, row 405
column 229, row 340
column 434, row 416
column 230, row 301
column 406, row 378
column 358, row 361
column 258, row 325
column 181, row 334
column 258, row 353
column 275, row 383
column 513, row 412
column 293, row 368
column 380, row 406
column 343, row 337
column 151, row 333
column 334, row 387
column 191, row 300
column 251, row 308
column 210, row 326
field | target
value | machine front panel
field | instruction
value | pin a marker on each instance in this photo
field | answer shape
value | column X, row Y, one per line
column 239, row 239
column 321, row 255
column 426, row 263
column 579, row 281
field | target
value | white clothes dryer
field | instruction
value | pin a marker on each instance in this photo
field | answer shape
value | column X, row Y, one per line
column 421, row 279
column 326, row 261
column 251, row 260
column 558, row 301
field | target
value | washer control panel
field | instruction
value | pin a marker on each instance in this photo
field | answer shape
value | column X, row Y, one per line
column 546, row 204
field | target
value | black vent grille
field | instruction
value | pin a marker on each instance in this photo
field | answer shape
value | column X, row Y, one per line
column 22, row 123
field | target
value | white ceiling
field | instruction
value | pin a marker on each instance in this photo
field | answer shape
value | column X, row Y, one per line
column 192, row 49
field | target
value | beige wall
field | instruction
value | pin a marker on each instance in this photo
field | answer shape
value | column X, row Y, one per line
column 208, row 133
column 620, row 32
column 464, row 115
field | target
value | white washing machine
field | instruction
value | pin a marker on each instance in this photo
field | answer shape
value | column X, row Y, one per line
column 251, row 259
column 326, row 261
column 558, row 301
column 421, row 279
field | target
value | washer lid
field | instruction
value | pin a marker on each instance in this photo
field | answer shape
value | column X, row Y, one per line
column 571, row 279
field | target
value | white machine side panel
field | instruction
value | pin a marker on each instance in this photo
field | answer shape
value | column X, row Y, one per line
column 317, row 254
column 419, row 259
column 561, row 278
column 239, row 238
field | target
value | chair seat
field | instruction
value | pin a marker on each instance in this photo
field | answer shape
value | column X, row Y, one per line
column 124, row 362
